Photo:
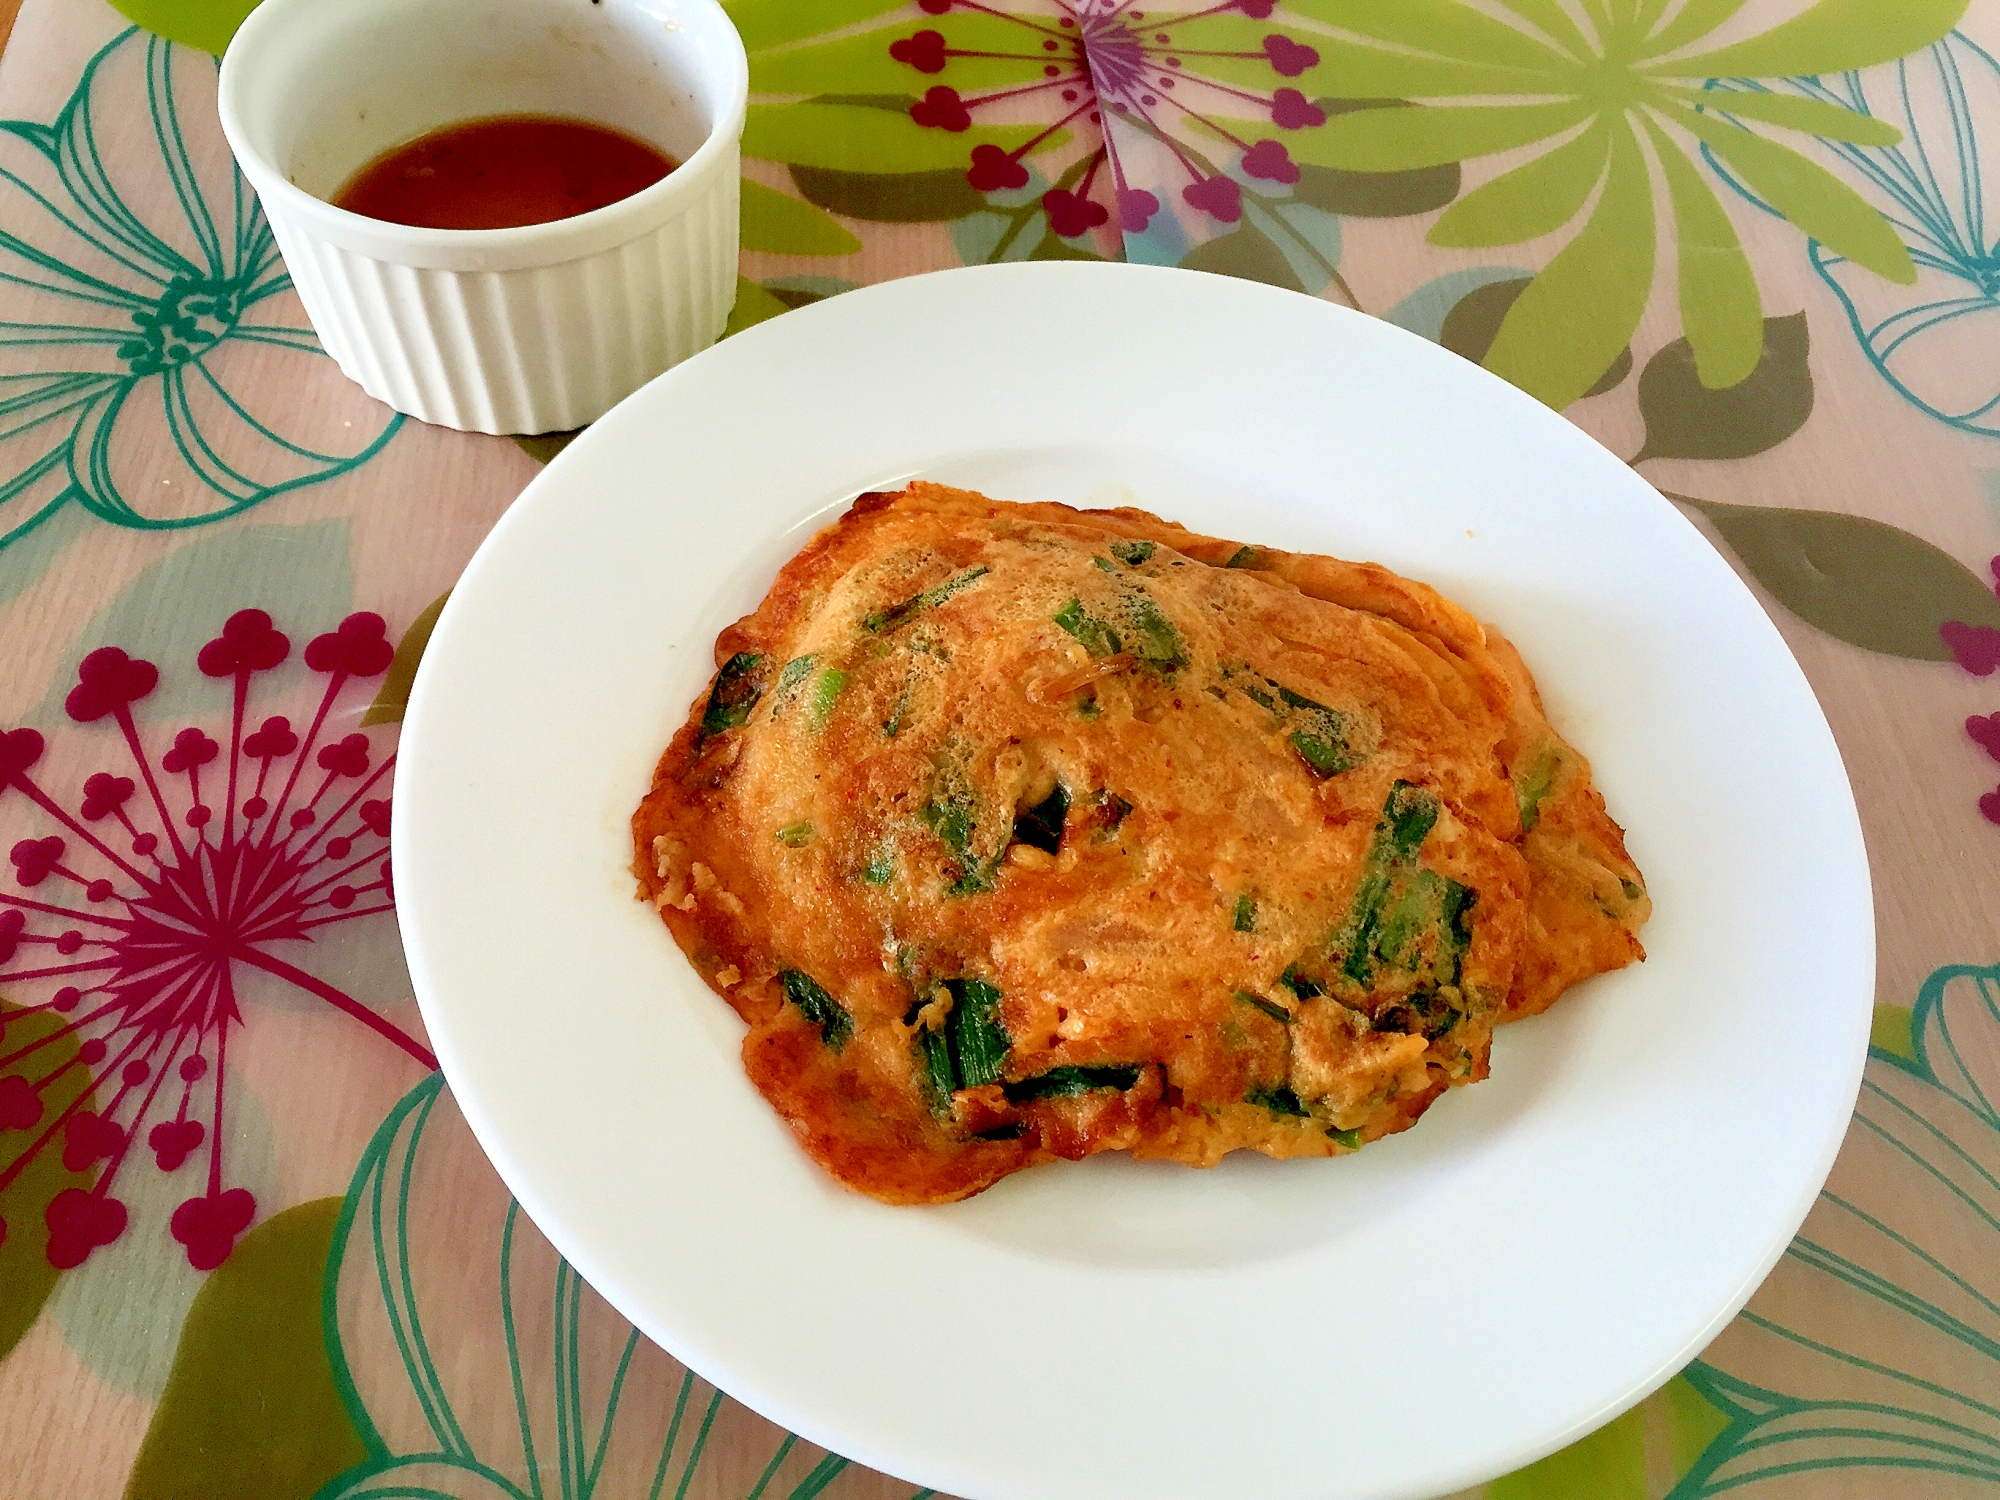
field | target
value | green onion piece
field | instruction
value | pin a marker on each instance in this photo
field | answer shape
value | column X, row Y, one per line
column 1321, row 734
column 1041, row 826
column 1132, row 553
column 934, row 1053
column 1408, row 815
column 1323, row 758
column 1066, row 1083
column 1300, row 985
column 828, row 1014
column 979, row 1042
column 1277, row 1013
column 792, row 678
column 1245, row 917
column 1430, row 904
column 1279, row 1101
column 1536, row 785
column 795, row 835
column 882, row 867
column 893, row 725
column 1407, row 819
column 969, row 1050
column 1351, row 1139
column 1246, row 557
column 1632, row 892
column 1096, row 637
column 826, row 689
column 734, row 693
column 901, row 614
column 953, row 823
column 1111, row 810
column 1425, row 1014
column 1402, row 915
column 1160, row 644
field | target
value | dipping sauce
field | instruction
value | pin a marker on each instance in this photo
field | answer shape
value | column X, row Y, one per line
column 503, row 171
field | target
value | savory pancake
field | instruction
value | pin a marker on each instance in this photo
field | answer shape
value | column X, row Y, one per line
column 1018, row 832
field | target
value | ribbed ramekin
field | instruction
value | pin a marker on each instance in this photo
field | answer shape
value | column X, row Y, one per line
column 541, row 328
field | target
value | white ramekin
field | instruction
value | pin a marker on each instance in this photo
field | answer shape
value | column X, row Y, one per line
column 535, row 329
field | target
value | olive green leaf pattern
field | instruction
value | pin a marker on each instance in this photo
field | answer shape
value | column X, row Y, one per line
column 475, row 1364
column 250, row 1410
column 40, row 1047
column 1862, row 581
column 890, row 197
column 394, row 695
column 1612, row 90
column 1687, row 419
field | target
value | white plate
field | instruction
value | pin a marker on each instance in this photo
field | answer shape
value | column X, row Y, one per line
column 1541, row 1251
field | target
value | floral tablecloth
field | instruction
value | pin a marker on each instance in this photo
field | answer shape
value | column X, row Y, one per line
column 247, row 1245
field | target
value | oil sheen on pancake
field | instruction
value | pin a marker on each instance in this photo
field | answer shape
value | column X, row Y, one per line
column 1017, row 832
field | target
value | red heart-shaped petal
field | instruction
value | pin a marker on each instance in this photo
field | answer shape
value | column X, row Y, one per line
column 248, row 643
column 1136, row 208
column 208, row 1226
column 35, row 858
column 192, row 750
column 1290, row 58
column 942, row 109
column 347, row 757
column 106, row 681
column 1291, row 110
column 173, row 1141
column 1218, row 197
column 87, row 1138
column 104, row 794
column 1071, row 216
column 993, row 170
column 923, row 51
column 272, row 739
column 79, row 1222
column 19, row 749
column 1977, row 647
column 20, row 1105
column 358, row 648
column 1270, row 161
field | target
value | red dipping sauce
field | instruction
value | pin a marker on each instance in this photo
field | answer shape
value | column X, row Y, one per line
column 501, row 172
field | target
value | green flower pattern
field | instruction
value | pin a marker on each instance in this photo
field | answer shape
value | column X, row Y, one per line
column 1604, row 98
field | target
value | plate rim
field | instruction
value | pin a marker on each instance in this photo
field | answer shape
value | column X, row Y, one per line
column 489, row 1128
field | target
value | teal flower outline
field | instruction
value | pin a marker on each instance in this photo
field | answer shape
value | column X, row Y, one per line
column 135, row 377
column 476, row 1364
column 1872, row 1346
column 1933, row 189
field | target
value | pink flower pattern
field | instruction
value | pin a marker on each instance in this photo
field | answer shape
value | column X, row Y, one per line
column 1976, row 648
column 133, row 914
column 1132, row 87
